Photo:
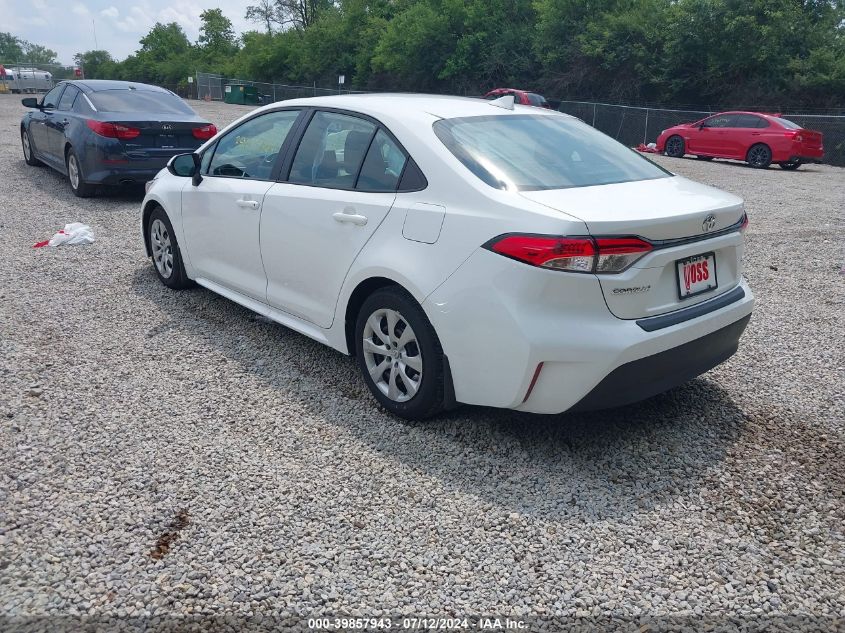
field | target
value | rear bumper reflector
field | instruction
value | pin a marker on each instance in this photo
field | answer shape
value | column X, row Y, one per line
column 533, row 382
column 679, row 316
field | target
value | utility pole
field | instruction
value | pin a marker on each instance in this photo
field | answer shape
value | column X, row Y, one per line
column 94, row 26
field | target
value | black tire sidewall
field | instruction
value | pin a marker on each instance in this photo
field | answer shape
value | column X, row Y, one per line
column 32, row 161
column 683, row 146
column 83, row 190
column 178, row 278
column 429, row 398
column 763, row 165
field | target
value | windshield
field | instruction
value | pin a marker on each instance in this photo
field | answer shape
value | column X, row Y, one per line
column 528, row 152
column 139, row 101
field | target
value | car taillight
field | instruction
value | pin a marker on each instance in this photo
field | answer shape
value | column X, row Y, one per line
column 113, row 130
column 744, row 224
column 205, row 132
column 572, row 254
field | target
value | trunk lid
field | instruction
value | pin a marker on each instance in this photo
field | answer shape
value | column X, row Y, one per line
column 681, row 218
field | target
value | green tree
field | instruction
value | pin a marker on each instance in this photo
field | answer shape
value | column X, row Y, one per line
column 96, row 64
column 11, row 48
column 217, row 39
column 37, row 54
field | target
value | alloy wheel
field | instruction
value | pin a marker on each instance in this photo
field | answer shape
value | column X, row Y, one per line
column 27, row 150
column 392, row 355
column 73, row 171
column 675, row 147
column 759, row 156
column 162, row 248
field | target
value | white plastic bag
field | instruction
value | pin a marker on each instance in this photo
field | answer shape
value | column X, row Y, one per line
column 73, row 233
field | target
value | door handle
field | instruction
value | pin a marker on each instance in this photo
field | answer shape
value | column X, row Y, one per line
column 248, row 204
column 352, row 218
column 755, row 134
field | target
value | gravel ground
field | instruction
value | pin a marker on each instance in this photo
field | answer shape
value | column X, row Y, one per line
column 168, row 453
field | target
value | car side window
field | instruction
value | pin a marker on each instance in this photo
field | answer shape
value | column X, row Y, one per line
column 331, row 151
column 251, row 149
column 51, row 99
column 383, row 165
column 69, row 96
column 718, row 121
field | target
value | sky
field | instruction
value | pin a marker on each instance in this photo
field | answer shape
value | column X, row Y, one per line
column 68, row 26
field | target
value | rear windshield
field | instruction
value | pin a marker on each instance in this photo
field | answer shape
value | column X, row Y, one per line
column 536, row 100
column 528, row 152
column 787, row 123
column 138, row 101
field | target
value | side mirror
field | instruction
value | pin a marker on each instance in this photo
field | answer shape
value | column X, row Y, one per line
column 30, row 102
column 197, row 176
column 182, row 165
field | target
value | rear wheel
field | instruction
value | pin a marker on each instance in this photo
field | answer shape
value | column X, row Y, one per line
column 759, row 156
column 675, row 147
column 399, row 355
column 28, row 154
column 791, row 166
column 78, row 185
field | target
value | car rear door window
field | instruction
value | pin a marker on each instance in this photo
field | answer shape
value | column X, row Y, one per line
column 747, row 121
column 69, row 96
column 383, row 165
column 331, row 151
column 251, row 149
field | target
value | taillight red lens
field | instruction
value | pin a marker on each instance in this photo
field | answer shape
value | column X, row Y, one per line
column 205, row 132
column 744, row 224
column 573, row 254
column 618, row 253
column 113, row 130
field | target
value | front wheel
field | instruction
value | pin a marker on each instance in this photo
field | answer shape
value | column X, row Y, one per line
column 675, row 147
column 399, row 355
column 167, row 258
column 28, row 153
column 759, row 156
column 791, row 166
column 80, row 188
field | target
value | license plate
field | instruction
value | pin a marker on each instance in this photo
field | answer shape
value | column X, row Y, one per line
column 167, row 141
column 696, row 275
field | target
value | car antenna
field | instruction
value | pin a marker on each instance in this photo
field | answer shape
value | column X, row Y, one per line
column 505, row 102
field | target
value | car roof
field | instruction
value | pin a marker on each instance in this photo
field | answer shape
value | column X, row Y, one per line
column 392, row 106
column 96, row 85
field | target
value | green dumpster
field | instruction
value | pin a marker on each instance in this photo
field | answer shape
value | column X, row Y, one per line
column 240, row 94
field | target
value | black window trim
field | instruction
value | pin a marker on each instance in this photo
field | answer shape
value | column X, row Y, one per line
column 300, row 133
column 62, row 85
column 64, row 92
column 275, row 172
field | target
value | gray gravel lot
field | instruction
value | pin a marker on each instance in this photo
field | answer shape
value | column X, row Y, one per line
column 123, row 403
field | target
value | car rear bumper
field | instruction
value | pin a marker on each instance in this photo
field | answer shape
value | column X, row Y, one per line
column 542, row 341
column 649, row 376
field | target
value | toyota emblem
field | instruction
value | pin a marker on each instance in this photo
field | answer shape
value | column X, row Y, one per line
column 709, row 223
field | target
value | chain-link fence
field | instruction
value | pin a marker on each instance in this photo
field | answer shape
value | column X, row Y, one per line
column 212, row 87
column 633, row 125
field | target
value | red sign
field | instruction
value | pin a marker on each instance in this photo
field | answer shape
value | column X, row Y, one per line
column 77, row 72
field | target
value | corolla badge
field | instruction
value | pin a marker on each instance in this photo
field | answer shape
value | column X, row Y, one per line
column 709, row 223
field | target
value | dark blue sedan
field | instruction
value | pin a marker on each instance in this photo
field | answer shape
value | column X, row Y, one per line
column 101, row 132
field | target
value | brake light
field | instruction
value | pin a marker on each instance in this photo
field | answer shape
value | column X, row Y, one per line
column 113, row 130
column 573, row 254
column 205, row 132
column 744, row 224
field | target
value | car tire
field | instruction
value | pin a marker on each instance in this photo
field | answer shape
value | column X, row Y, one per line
column 28, row 153
column 675, row 147
column 165, row 253
column 790, row 166
column 80, row 188
column 704, row 157
column 759, row 156
column 411, row 390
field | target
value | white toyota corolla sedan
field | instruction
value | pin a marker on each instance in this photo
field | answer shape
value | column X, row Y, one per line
column 465, row 251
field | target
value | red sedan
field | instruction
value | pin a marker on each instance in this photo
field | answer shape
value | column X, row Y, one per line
column 759, row 139
column 519, row 96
